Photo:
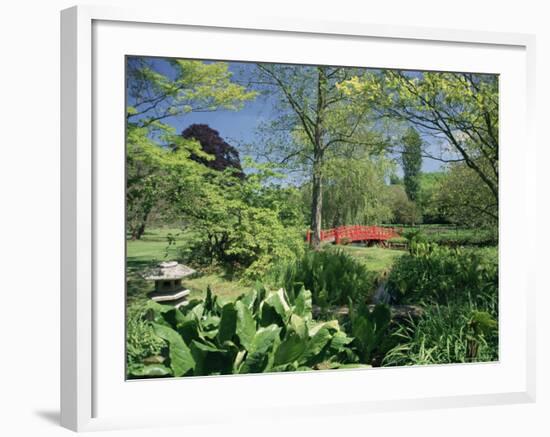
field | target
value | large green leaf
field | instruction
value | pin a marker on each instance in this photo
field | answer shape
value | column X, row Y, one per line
column 339, row 341
column 299, row 325
column 198, row 311
column 316, row 344
column 213, row 360
column 331, row 325
column 303, row 304
column 228, row 323
column 246, row 325
column 174, row 317
column 257, row 359
column 209, row 301
column 189, row 330
column 290, row 349
column 249, row 299
column 278, row 301
column 181, row 360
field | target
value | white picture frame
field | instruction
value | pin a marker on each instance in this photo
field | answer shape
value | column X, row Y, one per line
column 94, row 394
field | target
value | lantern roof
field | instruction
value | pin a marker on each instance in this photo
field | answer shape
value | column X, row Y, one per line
column 169, row 270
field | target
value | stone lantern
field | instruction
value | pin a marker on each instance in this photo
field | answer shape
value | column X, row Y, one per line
column 168, row 286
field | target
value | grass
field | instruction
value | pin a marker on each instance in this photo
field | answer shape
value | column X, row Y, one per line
column 376, row 259
column 153, row 248
column 225, row 289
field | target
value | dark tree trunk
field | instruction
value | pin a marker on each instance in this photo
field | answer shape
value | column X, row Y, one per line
column 139, row 230
column 317, row 179
column 316, row 206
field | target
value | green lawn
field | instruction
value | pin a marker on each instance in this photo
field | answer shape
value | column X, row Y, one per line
column 375, row 258
column 153, row 248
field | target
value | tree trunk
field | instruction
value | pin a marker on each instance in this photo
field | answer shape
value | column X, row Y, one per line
column 316, row 206
column 139, row 230
column 317, row 180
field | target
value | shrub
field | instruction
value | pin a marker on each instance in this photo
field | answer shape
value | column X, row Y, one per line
column 464, row 237
column 141, row 341
column 433, row 274
column 369, row 330
column 248, row 248
column 333, row 277
column 260, row 332
column 445, row 334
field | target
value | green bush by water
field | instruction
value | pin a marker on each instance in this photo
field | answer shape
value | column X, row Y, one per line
column 445, row 334
column 431, row 274
column 334, row 277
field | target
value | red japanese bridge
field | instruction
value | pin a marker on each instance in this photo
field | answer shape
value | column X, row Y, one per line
column 354, row 233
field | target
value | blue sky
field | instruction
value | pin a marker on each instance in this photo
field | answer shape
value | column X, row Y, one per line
column 239, row 128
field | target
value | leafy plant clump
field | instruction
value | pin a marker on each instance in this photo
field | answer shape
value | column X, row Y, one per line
column 370, row 329
column 445, row 334
column 241, row 224
column 431, row 274
column 141, row 341
column 334, row 277
column 259, row 332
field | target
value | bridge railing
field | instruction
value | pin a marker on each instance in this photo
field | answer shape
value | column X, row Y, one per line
column 356, row 233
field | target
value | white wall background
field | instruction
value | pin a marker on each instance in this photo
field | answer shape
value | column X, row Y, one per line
column 29, row 214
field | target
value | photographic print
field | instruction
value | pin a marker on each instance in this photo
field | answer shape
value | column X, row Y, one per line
column 285, row 217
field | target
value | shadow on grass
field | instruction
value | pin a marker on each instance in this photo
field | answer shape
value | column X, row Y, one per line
column 136, row 286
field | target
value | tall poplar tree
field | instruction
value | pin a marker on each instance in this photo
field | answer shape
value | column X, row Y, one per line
column 411, row 160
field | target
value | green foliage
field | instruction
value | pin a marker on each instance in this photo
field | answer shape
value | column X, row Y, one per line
column 403, row 210
column 462, row 108
column 260, row 332
column 317, row 123
column 445, row 334
column 156, row 155
column 413, row 237
column 411, row 160
column 433, row 274
column 451, row 236
column 242, row 225
column 462, row 198
column 464, row 237
column 369, row 329
column 141, row 341
column 353, row 190
column 333, row 277
column 428, row 197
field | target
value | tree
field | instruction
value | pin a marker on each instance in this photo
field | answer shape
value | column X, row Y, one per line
column 429, row 197
column 353, row 191
column 157, row 92
column 224, row 155
column 461, row 108
column 316, row 118
column 403, row 210
column 244, row 224
column 464, row 200
column 411, row 160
